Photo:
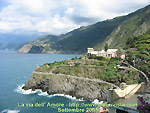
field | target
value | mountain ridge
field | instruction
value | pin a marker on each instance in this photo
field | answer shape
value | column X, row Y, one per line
column 132, row 27
column 115, row 32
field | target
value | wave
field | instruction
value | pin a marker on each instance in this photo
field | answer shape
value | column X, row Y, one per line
column 67, row 96
column 41, row 93
column 96, row 101
column 25, row 92
column 10, row 111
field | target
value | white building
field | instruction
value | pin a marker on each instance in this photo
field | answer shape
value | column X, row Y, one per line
column 108, row 54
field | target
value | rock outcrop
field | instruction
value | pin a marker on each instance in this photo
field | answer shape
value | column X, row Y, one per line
column 25, row 48
column 65, row 84
column 29, row 48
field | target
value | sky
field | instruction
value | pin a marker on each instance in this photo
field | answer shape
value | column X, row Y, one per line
column 60, row 16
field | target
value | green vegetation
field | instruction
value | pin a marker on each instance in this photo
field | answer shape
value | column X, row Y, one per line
column 134, row 24
column 88, row 36
column 139, row 54
column 106, row 46
column 56, row 71
column 120, row 52
column 115, row 75
column 46, row 39
column 97, row 68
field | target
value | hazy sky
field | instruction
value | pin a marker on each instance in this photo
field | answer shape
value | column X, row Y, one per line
column 60, row 16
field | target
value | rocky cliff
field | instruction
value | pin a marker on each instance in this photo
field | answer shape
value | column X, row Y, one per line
column 41, row 48
column 25, row 48
column 88, row 89
column 88, row 79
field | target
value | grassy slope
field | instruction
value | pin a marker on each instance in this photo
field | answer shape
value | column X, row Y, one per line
column 137, row 24
column 89, row 36
column 104, row 69
column 141, row 52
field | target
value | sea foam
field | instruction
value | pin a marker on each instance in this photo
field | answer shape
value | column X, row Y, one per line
column 41, row 93
column 96, row 101
column 10, row 111
column 25, row 92
column 67, row 96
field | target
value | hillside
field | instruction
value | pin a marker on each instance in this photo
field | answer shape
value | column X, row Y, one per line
column 46, row 39
column 40, row 45
column 103, row 69
column 114, row 31
column 137, row 24
column 82, row 38
column 88, row 79
column 88, row 36
column 139, row 51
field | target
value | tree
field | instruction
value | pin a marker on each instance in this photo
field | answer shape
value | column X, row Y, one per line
column 119, row 52
column 106, row 46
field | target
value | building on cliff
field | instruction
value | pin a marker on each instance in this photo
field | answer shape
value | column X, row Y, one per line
column 108, row 54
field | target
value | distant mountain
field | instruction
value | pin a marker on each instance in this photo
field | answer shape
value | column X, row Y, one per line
column 15, row 41
column 115, row 32
column 40, row 45
column 45, row 39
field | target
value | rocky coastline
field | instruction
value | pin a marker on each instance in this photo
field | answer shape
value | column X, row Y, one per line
column 29, row 48
column 85, row 89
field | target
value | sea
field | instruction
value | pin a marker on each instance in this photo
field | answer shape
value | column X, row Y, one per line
column 15, row 71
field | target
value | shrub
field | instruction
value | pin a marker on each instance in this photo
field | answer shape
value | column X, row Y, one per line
column 99, row 57
column 72, row 59
column 56, row 71
column 144, row 68
column 75, row 57
column 80, row 57
column 101, row 63
column 106, row 47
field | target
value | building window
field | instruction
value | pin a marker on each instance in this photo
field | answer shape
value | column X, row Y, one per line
column 109, row 55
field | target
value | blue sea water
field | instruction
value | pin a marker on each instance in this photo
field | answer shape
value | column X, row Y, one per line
column 15, row 70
